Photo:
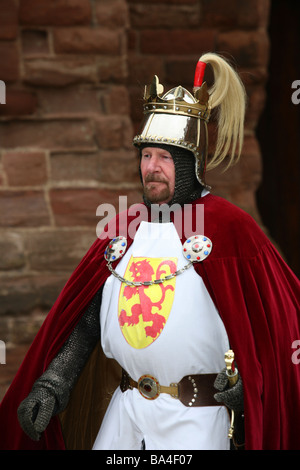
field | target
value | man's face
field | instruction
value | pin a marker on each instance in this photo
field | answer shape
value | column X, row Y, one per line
column 158, row 175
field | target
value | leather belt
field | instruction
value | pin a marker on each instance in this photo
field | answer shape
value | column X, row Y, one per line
column 192, row 390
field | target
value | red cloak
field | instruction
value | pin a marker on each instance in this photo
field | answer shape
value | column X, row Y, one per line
column 257, row 297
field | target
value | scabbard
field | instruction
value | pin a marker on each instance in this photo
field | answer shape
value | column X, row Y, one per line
column 237, row 428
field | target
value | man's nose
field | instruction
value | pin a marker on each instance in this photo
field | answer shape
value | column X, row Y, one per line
column 153, row 165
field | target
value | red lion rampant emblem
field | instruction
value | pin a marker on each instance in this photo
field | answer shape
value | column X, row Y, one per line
column 146, row 307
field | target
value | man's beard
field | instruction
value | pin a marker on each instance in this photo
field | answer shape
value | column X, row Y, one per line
column 150, row 191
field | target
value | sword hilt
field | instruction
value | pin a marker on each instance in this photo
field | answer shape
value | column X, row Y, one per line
column 231, row 370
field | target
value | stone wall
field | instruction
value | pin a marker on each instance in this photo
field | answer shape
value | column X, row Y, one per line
column 65, row 143
column 74, row 72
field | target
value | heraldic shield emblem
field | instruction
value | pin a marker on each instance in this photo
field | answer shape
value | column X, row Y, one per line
column 144, row 310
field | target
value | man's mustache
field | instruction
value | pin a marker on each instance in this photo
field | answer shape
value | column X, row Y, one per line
column 153, row 178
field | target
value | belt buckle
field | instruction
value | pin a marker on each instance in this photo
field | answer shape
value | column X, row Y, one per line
column 148, row 387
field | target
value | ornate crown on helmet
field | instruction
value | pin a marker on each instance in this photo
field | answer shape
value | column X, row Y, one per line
column 180, row 118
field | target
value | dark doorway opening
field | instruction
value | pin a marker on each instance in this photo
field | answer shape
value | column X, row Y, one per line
column 278, row 132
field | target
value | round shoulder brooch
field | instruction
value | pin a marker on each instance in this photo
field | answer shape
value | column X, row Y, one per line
column 197, row 248
column 115, row 249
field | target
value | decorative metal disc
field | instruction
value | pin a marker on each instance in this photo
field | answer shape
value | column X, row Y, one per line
column 115, row 249
column 197, row 248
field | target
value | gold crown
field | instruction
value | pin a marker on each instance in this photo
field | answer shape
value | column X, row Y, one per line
column 176, row 101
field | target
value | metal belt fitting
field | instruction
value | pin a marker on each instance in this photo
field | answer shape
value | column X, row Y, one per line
column 192, row 390
column 150, row 388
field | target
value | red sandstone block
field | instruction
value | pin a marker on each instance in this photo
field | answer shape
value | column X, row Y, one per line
column 220, row 14
column 75, row 166
column 23, row 293
column 136, row 107
column 78, row 206
column 9, row 57
column 180, row 41
column 132, row 40
column 116, row 100
column 54, row 12
column 86, row 40
column 142, row 15
column 19, row 103
column 61, row 71
column 23, row 209
column 112, row 69
column 181, row 72
column 142, row 70
column 57, row 250
column 234, row 14
column 25, row 168
column 12, row 253
column 119, row 166
column 112, row 14
column 113, row 132
column 70, row 101
column 52, row 135
column 8, row 19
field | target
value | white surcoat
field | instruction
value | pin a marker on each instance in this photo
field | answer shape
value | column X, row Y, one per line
column 169, row 331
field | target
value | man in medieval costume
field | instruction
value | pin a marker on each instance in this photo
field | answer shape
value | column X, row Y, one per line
column 158, row 309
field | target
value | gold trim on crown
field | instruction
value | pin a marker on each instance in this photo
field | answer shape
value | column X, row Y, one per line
column 154, row 103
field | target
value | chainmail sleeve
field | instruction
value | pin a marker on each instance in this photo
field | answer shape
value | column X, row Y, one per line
column 50, row 393
column 65, row 369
